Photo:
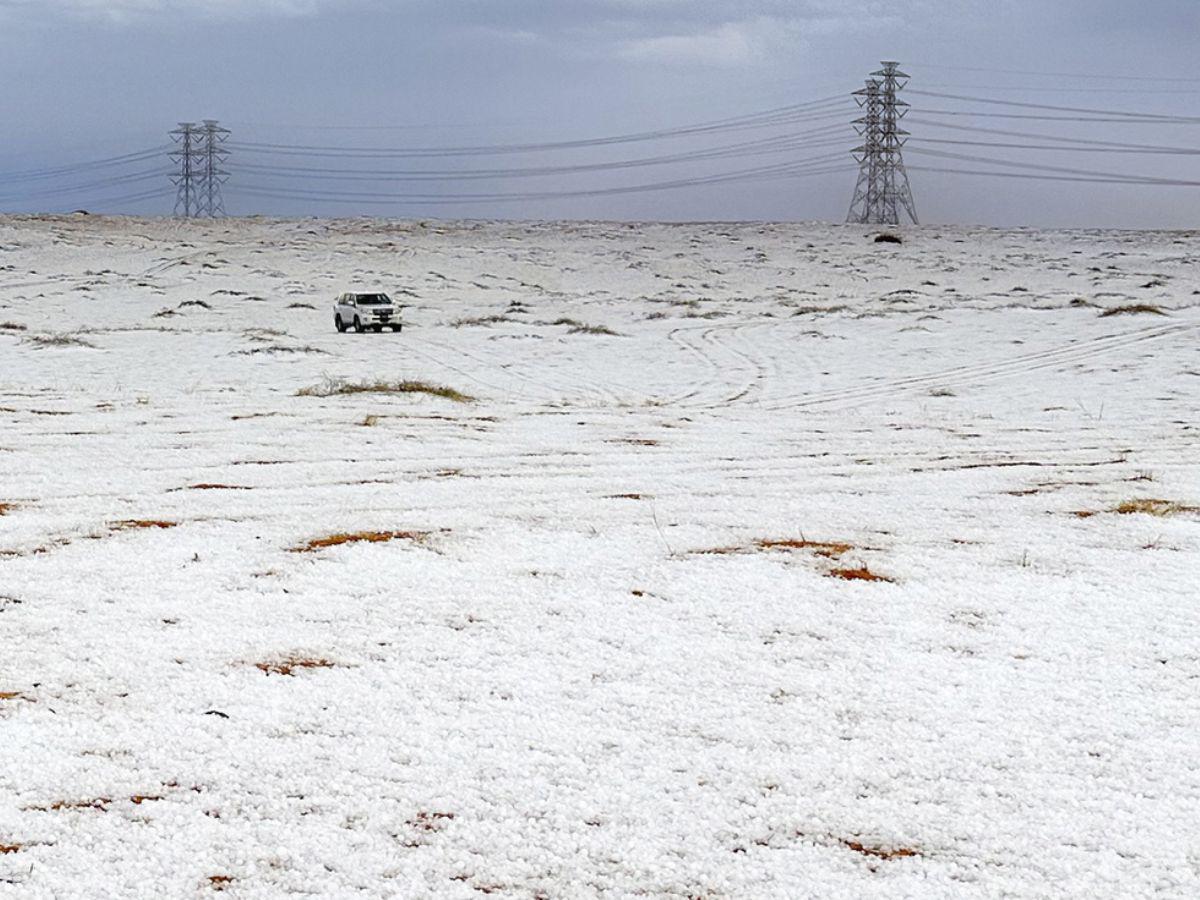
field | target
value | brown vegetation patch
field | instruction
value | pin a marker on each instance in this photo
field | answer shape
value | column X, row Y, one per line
column 136, row 524
column 10, row 848
column 861, row 573
column 878, row 852
column 828, row 549
column 210, row 486
column 626, row 497
column 14, row 695
column 287, row 665
column 361, row 537
column 220, row 882
column 1160, row 508
column 6, row 508
column 1133, row 309
column 11, row 326
column 336, row 387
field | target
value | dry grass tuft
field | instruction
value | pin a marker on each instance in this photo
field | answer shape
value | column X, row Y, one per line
column 338, row 387
column 888, row 237
column 57, row 340
column 591, row 329
column 369, row 421
column 6, row 508
column 13, row 695
column 479, row 320
column 137, row 524
column 220, row 882
column 359, row 537
column 828, row 549
column 10, row 848
column 11, row 326
column 1161, row 508
column 861, row 573
column 288, row 664
column 1133, row 309
column 210, row 486
column 878, row 852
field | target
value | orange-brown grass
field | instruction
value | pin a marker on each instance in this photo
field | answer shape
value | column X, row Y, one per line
column 1160, row 508
column 10, row 848
column 135, row 524
column 220, row 881
column 12, row 695
column 358, row 537
column 288, row 664
column 878, row 852
column 5, row 508
column 828, row 549
column 861, row 573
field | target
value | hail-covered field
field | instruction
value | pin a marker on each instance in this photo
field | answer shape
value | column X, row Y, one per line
column 756, row 561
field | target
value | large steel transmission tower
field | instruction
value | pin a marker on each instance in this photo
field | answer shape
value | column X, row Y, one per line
column 882, row 192
column 189, row 160
column 200, row 160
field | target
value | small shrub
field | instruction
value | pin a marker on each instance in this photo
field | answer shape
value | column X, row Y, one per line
column 1133, row 309
column 57, row 340
column 11, row 326
column 888, row 237
column 591, row 329
column 337, row 387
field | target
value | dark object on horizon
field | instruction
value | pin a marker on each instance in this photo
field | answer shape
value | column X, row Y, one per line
column 888, row 238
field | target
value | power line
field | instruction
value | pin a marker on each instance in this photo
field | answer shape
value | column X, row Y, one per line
column 816, row 110
column 1148, row 117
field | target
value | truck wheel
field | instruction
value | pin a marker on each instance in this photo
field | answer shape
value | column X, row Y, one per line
column 337, row 323
column 358, row 325
column 396, row 329
column 378, row 328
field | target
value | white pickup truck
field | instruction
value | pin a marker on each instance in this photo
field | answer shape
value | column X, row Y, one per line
column 363, row 311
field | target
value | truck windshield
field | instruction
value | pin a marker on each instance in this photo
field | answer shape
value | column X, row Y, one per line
column 372, row 299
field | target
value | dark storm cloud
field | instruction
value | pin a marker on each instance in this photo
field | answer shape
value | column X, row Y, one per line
column 88, row 78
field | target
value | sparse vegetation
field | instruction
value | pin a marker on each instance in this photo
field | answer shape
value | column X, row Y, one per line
column 480, row 320
column 139, row 524
column 859, row 573
column 1133, row 309
column 1161, row 508
column 337, row 387
column 358, row 537
column 888, row 237
column 878, row 852
column 287, row 665
column 57, row 340
column 11, row 326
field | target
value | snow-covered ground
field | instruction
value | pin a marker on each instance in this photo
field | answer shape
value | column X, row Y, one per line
column 605, row 651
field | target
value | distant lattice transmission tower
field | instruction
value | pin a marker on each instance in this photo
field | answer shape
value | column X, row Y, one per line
column 200, row 173
column 882, row 192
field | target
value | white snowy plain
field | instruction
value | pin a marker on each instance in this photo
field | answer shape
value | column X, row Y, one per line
column 606, row 652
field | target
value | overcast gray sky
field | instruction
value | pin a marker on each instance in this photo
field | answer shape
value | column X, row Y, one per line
column 90, row 79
